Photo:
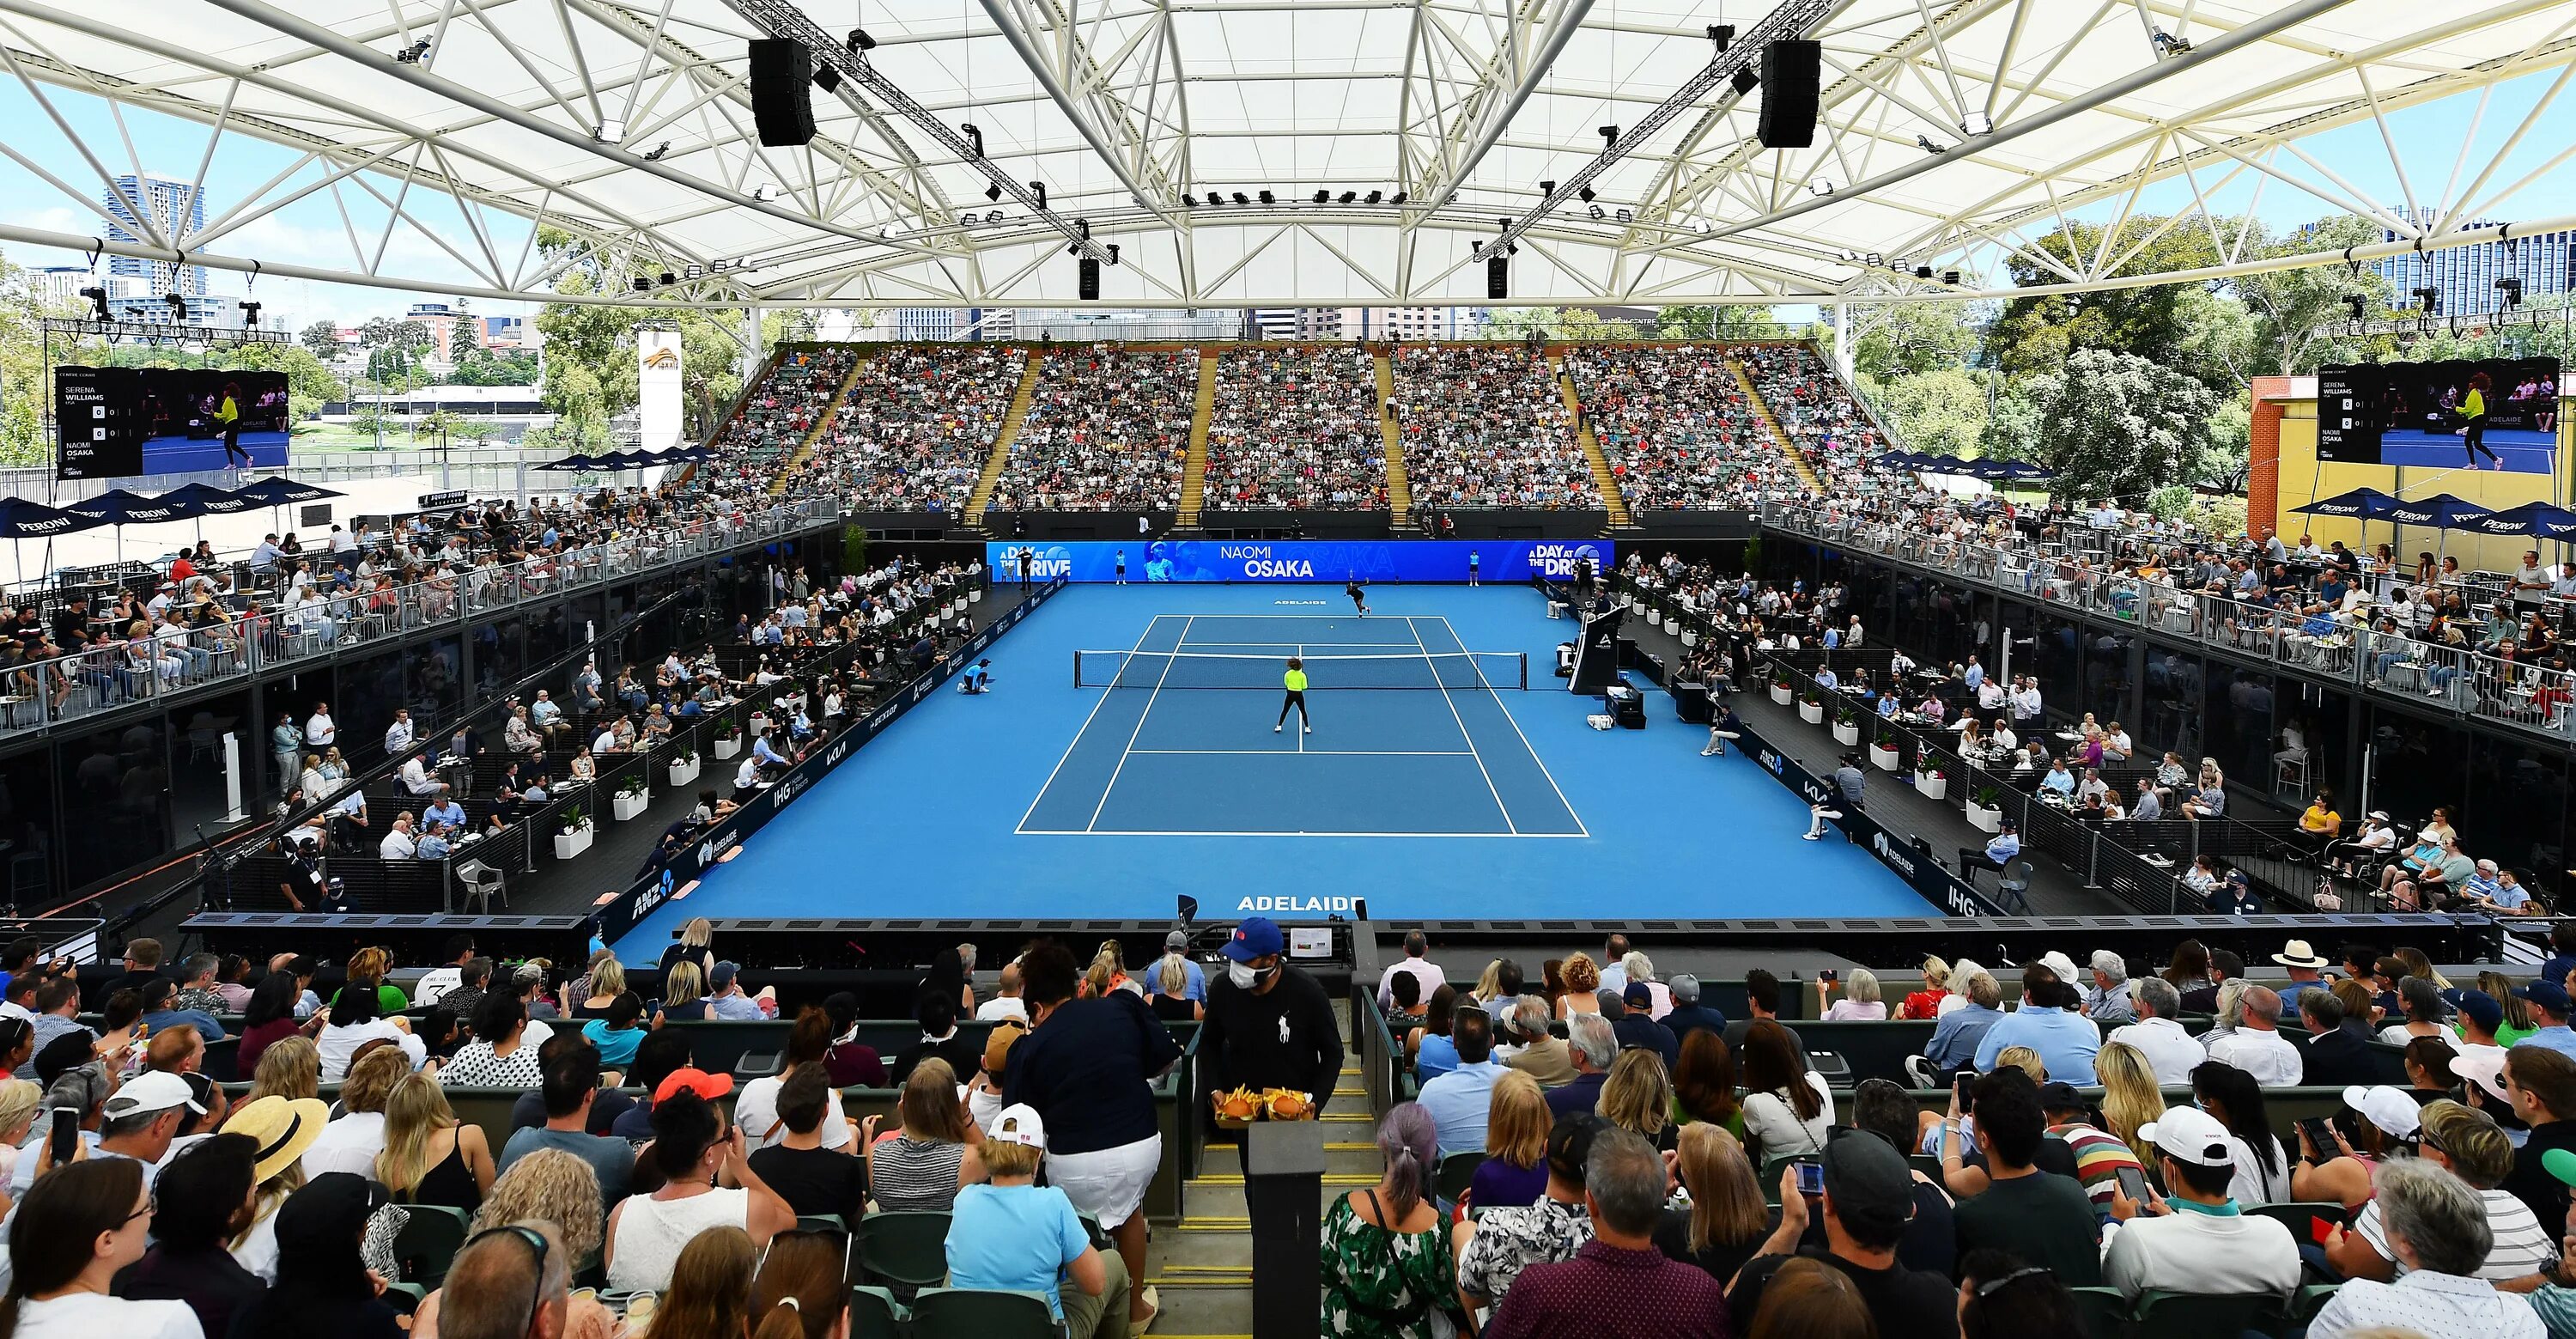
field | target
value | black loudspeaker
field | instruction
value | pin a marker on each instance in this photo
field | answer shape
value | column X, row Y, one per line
column 1090, row 279
column 1498, row 277
column 782, row 100
column 1789, row 73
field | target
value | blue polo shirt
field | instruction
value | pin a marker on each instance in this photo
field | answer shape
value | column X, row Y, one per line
column 2066, row 1042
column 1458, row 1103
column 2560, row 1039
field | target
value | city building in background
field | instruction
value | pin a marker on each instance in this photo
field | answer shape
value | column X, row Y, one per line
column 2466, row 276
column 175, row 209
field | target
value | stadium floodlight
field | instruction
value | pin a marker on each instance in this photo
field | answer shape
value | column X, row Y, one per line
column 760, row 193
column 1396, row 199
column 1323, row 196
column 1547, row 188
column 97, row 300
column 250, row 314
column 1928, row 145
column 1375, row 196
column 411, row 55
column 654, row 154
column 642, row 284
column 178, row 307
column 1722, row 35
column 2355, row 303
column 1596, row 211
column 609, row 132
column 1609, row 135
column 1189, row 201
column 1348, row 196
column 860, row 41
column 1038, row 189
column 1977, row 123
column 1268, row 199
column 974, row 137
column 993, row 192
column 2512, row 290
column 2166, row 44
column 1820, row 186
column 1625, row 217
column 1241, row 199
column 2429, row 297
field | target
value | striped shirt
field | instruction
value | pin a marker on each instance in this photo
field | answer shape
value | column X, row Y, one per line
column 2521, row 1243
column 2098, row 1160
column 907, row 1173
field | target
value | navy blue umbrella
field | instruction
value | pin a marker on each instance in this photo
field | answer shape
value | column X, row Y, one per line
column 2537, row 519
column 22, row 519
column 276, row 492
column 120, row 508
column 2368, row 504
column 2441, row 511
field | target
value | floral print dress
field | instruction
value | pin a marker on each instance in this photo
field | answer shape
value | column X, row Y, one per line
column 1372, row 1275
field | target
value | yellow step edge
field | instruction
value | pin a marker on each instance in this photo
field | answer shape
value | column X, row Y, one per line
column 1350, row 1092
column 1216, row 1225
column 1165, row 1281
column 1598, row 463
column 1207, row 1269
column 1347, row 1118
column 1345, row 1146
column 999, row 458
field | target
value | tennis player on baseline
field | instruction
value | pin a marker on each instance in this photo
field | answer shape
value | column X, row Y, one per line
column 1295, row 682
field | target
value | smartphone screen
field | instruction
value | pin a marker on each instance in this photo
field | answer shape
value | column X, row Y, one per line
column 65, row 1133
column 1966, row 1087
column 2133, row 1183
column 1829, row 976
column 2320, row 1137
column 1811, row 1178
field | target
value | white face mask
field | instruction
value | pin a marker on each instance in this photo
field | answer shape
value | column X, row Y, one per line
column 1242, row 975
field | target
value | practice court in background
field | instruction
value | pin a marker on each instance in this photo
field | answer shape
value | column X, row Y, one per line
column 1411, row 735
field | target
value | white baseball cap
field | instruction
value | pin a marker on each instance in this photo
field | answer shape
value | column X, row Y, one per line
column 1019, row 1124
column 2189, row 1134
column 154, row 1090
column 2392, row 1111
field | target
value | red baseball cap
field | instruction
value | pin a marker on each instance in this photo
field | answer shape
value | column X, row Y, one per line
column 704, row 1084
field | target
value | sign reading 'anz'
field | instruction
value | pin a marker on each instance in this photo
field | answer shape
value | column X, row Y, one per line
column 1178, row 561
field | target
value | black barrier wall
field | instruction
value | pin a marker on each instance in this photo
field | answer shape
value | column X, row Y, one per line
column 630, row 907
column 1920, row 871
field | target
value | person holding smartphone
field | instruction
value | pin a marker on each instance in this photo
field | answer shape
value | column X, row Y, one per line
column 2043, row 1218
column 2332, row 1168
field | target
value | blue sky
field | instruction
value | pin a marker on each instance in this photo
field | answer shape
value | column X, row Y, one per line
column 311, row 231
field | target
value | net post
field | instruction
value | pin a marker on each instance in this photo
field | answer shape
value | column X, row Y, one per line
column 1077, row 668
column 1523, row 657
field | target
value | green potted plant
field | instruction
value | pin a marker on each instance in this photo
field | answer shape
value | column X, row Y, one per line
column 575, row 833
column 1929, row 779
column 1985, row 809
column 1811, row 703
column 728, row 740
column 684, row 763
column 1782, row 686
column 1846, row 721
column 1883, row 748
column 631, row 796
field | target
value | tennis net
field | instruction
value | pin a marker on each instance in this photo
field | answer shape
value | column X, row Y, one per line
column 1452, row 670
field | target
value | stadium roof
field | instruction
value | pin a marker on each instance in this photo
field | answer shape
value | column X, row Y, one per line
column 1952, row 135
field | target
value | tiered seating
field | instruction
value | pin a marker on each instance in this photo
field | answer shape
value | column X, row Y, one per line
column 783, row 408
column 1107, row 430
column 1485, row 427
column 1813, row 406
column 1296, row 428
column 1675, row 425
column 917, row 425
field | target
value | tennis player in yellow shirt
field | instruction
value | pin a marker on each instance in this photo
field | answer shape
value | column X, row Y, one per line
column 1295, row 682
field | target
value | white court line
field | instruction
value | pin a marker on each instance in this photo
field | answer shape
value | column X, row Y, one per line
column 1506, row 707
column 1477, row 836
column 1505, row 809
column 1312, row 753
column 1140, row 718
column 1298, row 652
column 1022, row 826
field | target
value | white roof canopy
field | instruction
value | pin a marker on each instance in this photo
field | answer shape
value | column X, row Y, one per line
column 1952, row 136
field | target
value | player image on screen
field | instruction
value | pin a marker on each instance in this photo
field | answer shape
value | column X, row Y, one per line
column 1359, row 597
column 228, row 421
column 1295, row 682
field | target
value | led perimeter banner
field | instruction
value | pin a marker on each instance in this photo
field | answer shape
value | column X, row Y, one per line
column 1296, row 560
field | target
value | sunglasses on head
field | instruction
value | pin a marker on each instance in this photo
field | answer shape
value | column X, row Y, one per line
column 537, row 1243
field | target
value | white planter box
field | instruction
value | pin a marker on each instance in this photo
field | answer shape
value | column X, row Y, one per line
column 1689, row 638
column 1846, row 735
column 1985, row 820
column 975, row 595
column 1782, row 695
column 1654, row 618
column 1886, row 760
column 622, row 806
column 570, row 844
column 1813, row 713
column 682, row 773
column 728, row 748
column 1934, row 787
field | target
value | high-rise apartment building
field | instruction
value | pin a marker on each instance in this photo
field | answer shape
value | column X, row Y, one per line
column 2465, row 277
column 175, row 209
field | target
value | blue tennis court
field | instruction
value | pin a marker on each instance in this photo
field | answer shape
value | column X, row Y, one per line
column 1408, row 735
column 1453, row 796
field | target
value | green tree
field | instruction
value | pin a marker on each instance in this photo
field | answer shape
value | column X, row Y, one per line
column 1906, row 338
column 2116, row 425
column 2038, row 334
column 323, row 338
column 1710, row 321
column 2291, row 308
column 1942, row 411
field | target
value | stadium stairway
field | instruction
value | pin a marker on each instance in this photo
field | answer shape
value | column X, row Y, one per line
column 1203, row 1270
column 805, row 449
column 1002, row 440
column 1602, row 478
column 1399, row 491
column 1797, row 458
column 1194, row 468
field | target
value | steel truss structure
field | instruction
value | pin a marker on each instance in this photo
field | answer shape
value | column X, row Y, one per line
column 1391, row 137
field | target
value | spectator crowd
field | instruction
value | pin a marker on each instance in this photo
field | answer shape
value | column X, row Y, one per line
column 1485, row 427
column 1296, row 428
column 1107, row 430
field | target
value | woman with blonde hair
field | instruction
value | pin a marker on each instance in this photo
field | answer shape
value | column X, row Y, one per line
column 1726, row 1220
column 1926, row 1003
column 431, row 1157
column 2131, row 1097
column 1489, row 984
column 1582, row 987
column 2024, row 1059
column 1514, row 1172
column 19, row 1099
column 684, row 992
column 367, row 968
column 1108, row 972
column 1861, row 1001
column 552, row 1185
column 2518, row 1022
column 1638, row 1096
column 290, row 1068
column 696, row 945
column 1171, row 1000
column 607, row 981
